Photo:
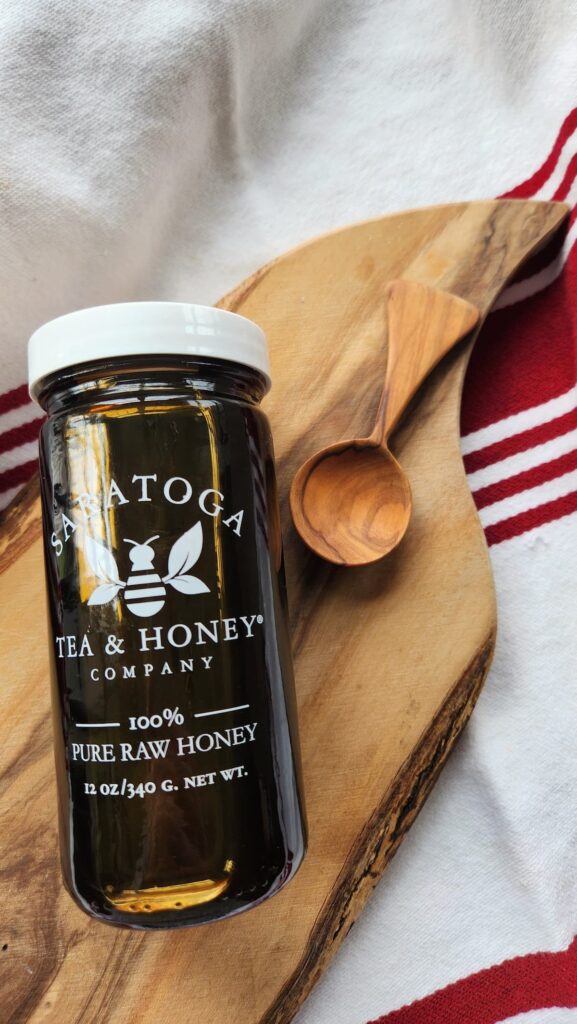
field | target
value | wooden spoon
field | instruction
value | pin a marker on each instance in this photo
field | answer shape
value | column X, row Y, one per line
column 351, row 502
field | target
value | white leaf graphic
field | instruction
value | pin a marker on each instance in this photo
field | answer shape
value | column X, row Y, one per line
column 101, row 561
column 104, row 593
column 185, row 552
column 189, row 585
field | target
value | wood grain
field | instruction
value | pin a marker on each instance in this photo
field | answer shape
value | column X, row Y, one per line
column 388, row 669
column 351, row 501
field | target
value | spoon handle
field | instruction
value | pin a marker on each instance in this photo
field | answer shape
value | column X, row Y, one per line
column 423, row 324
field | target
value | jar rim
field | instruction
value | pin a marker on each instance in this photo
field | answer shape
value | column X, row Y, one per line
column 144, row 328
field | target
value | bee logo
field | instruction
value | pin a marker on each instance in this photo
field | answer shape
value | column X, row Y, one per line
column 145, row 592
column 145, row 589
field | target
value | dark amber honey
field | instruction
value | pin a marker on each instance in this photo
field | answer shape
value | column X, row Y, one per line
column 173, row 695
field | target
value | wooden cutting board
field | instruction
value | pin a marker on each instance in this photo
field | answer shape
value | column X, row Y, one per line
column 389, row 659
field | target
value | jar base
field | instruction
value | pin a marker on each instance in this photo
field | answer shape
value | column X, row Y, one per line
column 158, row 899
column 185, row 905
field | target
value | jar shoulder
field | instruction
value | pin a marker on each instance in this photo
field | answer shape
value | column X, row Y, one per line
column 173, row 407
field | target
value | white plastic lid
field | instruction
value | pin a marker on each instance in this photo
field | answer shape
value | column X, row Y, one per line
column 144, row 328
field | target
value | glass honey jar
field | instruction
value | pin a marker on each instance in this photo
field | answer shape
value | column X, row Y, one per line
column 175, row 731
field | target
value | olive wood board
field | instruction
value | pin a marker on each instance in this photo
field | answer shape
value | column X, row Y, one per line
column 389, row 658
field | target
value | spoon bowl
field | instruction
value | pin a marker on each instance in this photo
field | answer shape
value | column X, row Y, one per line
column 356, row 499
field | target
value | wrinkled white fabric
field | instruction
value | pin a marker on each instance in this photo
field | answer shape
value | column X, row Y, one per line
column 167, row 148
